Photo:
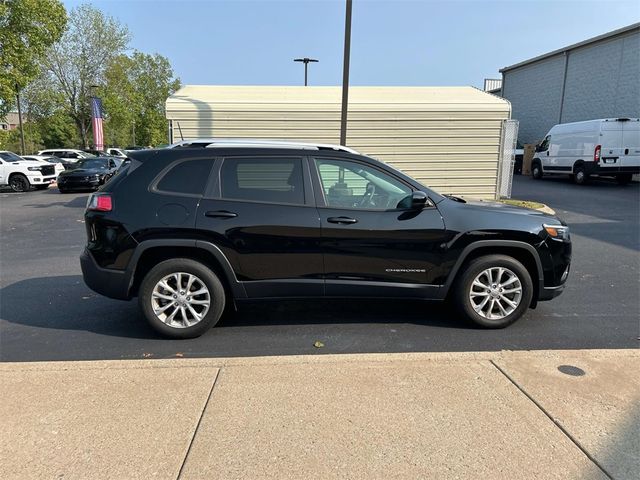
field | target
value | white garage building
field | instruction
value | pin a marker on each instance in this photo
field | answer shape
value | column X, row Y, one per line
column 454, row 139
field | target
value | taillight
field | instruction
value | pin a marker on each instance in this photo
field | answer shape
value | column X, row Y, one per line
column 100, row 202
column 596, row 153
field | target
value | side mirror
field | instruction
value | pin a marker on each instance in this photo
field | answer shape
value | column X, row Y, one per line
column 418, row 200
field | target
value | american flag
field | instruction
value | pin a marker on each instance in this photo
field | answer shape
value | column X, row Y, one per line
column 96, row 122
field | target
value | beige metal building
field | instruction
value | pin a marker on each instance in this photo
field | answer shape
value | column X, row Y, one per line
column 449, row 138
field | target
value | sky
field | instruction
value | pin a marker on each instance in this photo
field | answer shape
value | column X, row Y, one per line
column 393, row 42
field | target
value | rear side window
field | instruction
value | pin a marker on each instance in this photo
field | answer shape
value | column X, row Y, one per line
column 275, row 180
column 189, row 177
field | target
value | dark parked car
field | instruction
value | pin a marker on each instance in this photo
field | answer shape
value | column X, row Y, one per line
column 188, row 230
column 88, row 174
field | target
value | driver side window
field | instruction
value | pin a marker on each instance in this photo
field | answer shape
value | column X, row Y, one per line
column 348, row 184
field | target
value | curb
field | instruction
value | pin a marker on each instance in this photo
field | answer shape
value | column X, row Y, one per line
column 319, row 359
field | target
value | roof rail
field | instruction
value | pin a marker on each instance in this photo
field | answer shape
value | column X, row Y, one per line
column 257, row 143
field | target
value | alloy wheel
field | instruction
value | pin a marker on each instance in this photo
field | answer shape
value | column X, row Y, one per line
column 180, row 300
column 495, row 293
column 19, row 184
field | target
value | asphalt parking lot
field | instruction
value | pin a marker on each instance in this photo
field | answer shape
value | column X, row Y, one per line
column 47, row 313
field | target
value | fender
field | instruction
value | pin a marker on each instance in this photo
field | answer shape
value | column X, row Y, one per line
column 237, row 289
column 493, row 243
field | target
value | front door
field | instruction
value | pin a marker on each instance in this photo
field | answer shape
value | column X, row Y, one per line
column 373, row 242
column 263, row 217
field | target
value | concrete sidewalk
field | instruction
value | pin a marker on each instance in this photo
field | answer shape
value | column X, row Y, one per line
column 502, row 415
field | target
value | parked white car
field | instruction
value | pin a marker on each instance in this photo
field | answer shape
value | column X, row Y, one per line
column 48, row 160
column 21, row 174
column 68, row 154
column 116, row 152
column 608, row 147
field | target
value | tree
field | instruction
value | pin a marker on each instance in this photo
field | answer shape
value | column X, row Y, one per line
column 136, row 88
column 27, row 29
column 77, row 62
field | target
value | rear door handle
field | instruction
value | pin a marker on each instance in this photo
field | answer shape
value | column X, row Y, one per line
column 342, row 220
column 220, row 214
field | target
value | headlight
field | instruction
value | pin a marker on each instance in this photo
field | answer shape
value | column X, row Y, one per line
column 34, row 169
column 557, row 232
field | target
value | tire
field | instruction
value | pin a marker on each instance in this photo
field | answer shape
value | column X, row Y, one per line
column 536, row 170
column 624, row 178
column 42, row 187
column 19, row 183
column 490, row 315
column 176, row 327
column 580, row 177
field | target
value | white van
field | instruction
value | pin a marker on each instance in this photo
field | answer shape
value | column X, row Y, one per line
column 607, row 147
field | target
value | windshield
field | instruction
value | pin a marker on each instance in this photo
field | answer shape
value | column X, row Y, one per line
column 10, row 157
column 92, row 163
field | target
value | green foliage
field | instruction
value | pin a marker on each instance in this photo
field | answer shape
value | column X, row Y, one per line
column 134, row 95
column 78, row 61
column 56, row 103
column 27, row 29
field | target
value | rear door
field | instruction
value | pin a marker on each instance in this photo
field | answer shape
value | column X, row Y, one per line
column 631, row 143
column 262, row 215
column 610, row 142
column 373, row 244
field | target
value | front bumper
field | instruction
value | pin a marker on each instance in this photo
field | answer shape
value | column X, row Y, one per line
column 549, row 293
column 40, row 180
column 105, row 281
column 84, row 185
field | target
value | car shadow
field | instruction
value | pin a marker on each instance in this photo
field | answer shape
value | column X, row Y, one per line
column 342, row 311
column 76, row 202
column 65, row 303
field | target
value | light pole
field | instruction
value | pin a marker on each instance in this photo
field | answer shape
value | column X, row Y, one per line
column 345, row 74
column 306, row 61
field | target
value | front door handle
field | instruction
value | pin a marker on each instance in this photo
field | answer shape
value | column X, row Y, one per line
column 342, row 220
column 220, row 214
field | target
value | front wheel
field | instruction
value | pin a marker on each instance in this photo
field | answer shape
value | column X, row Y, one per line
column 536, row 171
column 19, row 183
column 181, row 298
column 493, row 291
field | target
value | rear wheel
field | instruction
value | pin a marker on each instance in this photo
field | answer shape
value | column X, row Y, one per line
column 536, row 170
column 181, row 298
column 19, row 183
column 623, row 179
column 580, row 176
column 493, row 291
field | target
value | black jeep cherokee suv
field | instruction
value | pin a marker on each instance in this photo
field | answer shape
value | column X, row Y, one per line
column 189, row 229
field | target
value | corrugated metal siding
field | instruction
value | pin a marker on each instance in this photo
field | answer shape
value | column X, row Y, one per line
column 446, row 137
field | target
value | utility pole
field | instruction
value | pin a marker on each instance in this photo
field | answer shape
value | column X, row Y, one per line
column 22, row 147
column 306, row 61
column 345, row 74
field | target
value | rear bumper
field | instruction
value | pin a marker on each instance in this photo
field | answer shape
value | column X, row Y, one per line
column 105, row 281
column 599, row 169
